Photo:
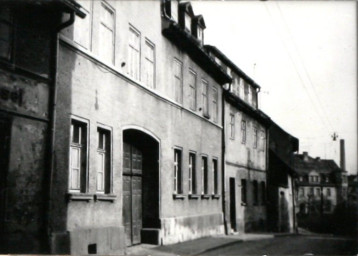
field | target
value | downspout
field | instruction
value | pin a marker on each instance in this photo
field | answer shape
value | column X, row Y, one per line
column 223, row 160
column 52, row 130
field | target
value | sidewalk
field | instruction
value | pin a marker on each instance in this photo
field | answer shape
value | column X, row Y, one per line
column 195, row 247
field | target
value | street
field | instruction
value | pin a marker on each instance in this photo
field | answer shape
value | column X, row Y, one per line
column 254, row 244
column 291, row 245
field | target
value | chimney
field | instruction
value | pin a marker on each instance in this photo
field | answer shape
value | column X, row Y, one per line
column 343, row 155
column 318, row 158
column 305, row 156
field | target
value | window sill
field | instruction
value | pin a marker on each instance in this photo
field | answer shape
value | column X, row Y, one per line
column 105, row 197
column 178, row 196
column 207, row 116
column 193, row 196
column 216, row 196
column 79, row 197
column 205, row 196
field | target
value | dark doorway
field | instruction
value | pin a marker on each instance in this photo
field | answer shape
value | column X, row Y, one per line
column 4, row 164
column 232, row 204
column 140, row 185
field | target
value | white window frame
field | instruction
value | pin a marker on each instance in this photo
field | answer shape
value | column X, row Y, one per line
column 255, row 137
column 105, row 152
column 232, row 126
column 192, row 179
column 178, row 171
column 192, row 90
column 205, row 97
column 134, row 67
column 150, row 84
column 109, row 8
column 243, row 131
column 215, row 101
column 178, row 81
column 82, row 148
column 187, row 21
column 78, row 28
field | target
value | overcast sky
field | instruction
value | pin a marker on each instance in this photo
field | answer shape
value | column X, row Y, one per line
column 303, row 54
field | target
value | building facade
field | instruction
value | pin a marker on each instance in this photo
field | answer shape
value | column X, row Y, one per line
column 138, row 129
column 245, row 151
column 281, row 180
column 28, row 47
column 321, row 185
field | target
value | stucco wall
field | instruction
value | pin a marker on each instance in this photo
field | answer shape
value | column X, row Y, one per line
column 101, row 93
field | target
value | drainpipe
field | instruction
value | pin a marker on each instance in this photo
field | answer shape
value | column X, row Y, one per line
column 223, row 157
column 52, row 110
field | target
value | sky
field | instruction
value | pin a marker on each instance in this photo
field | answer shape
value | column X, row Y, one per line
column 303, row 54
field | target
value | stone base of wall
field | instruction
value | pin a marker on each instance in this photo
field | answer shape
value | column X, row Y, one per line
column 179, row 229
column 107, row 240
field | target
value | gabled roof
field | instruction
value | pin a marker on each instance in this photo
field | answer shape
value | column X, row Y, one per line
column 304, row 165
column 199, row 19
column 186, row 7
column 229, row 63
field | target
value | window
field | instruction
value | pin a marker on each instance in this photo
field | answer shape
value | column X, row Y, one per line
column 177, row 172
column 328, row 192
column 6, row 33
column 205, row 175
column 300, row 192
column 300, row 178
column 192, row 173
column 103, row 161
column 246, row 91
column 263, row 142
column 243, row 191
column 232, row 126
column 149, row 65
column 254, row 98
column 243, row 131
column 187, row 22
column 263, row 192
column 318, row 191
column 216, row 176
column 205, row 101
column 215, row 105
column 78, row 157
column 106, row 33
column 174, row 10
column 134, row 53
column 200, row 34
column 178, row 85
column 255, row 192
column 255, row 137
column 192, row 90
column 311, row 191
column 82, row 27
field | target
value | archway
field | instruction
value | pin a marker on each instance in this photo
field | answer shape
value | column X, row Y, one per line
column 140, row 187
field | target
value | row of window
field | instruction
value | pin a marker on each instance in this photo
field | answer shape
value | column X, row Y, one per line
column 259, row 194
column 192, row 174
column 78, row 159
column 209, row 96
column 257, row 143
column 313, row 192
column 243, row 90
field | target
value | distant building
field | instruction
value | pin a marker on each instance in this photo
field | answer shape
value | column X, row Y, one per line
column 245, row 150
column 353, row 188
column 280, row 180
column 321, row 184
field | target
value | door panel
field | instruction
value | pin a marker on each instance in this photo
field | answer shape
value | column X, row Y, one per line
column 132, row 193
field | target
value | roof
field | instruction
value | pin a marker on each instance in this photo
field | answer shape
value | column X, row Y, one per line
column 60, row 5
column 305, row 164
column 228, row 62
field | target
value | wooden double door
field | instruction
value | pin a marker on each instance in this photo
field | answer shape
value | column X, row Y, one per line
column 132, row 193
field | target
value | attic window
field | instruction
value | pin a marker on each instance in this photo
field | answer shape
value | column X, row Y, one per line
column 200, row 34
column 174, row 10
column 187, row 22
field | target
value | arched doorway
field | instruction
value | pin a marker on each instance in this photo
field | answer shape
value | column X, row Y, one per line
column 140, row 187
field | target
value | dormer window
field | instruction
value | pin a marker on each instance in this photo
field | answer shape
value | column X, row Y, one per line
column 174, row 10
column 198, row 27
column 187, row 21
